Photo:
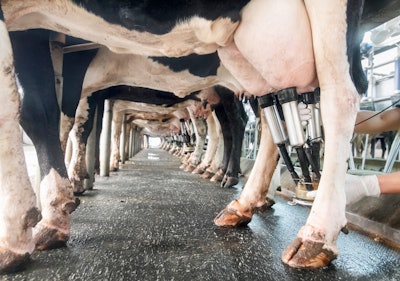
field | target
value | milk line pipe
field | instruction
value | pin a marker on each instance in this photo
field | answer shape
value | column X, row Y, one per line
column 184, row 132
column 267, row 103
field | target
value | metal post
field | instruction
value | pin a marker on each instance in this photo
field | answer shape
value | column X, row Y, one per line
column 91, row 154
column 57, row 42
column 371, row 78
column 130, row 150
column 255, row 145
column 397, row 72
column 105, row 140
column 122, row 140
column 393, row 153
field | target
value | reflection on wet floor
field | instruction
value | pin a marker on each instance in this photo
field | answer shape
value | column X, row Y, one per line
column 153, row 156
column 152, row 221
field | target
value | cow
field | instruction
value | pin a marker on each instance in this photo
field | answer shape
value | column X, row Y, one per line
column 228, row 103
column 56, row 193
column 14, row 234
column 180, row 76
column 213, row 138
column 197, row 135
column 269, row 61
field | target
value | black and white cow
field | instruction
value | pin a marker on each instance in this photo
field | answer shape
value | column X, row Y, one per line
column 181, row 76
column 258, row 41
column 229, row 109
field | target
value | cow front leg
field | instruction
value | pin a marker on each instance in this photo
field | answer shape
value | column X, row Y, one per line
column 116, row 134
column 253, row 197
column 18, row 213
column 237, row 119
column 315, row 245
column 40, row 117
column 53, row 231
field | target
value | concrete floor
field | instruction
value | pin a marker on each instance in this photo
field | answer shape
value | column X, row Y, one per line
column 152, row 221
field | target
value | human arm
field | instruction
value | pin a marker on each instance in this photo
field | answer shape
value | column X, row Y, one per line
column 388, row 120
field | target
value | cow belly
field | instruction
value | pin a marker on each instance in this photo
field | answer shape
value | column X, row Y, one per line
column 275, row 38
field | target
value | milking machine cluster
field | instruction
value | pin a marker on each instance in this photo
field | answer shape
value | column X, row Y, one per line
column 305, row 140
column 176, row 139
column 185, row 129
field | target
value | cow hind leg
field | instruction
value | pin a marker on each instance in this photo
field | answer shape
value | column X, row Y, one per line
column 237, row 119
column 315, row 245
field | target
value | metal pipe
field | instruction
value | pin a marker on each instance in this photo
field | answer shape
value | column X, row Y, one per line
column 267, row 103
column 288, row 99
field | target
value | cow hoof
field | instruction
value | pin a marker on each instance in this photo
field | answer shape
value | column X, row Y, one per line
column 229, row 182
column 261, row 209
column 113, row 169
column 11, row 262
column 307, row 254
column 183, row 166
column 231, row 216
column 190, row 168
column 32, row 217
column 71, row 206
column 47, row 238
column 207, row 175
column 199, row 170
column 219, row 176
column 79, row 193
column 77, row 186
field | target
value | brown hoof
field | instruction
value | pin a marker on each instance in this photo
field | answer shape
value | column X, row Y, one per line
column 198, row 171
column 11, row 262
column 218, row 176
column 232, row 217
column 190, row 168
column 77, row 186
column 71, row 206
column 268, row 204
column 47, row 238
column 207, row 175
column 183, row 166
column 307, row 254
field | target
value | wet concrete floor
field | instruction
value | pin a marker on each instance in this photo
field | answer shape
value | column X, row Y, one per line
column 153, row 221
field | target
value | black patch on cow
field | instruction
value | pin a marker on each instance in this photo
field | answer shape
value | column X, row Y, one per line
column 145, row 95
column 354, row 38
column 199, row 65
column 1, row 14
column 74, row 69
column 160, row 16
column 40, row 114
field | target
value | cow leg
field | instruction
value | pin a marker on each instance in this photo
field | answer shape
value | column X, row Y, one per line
column 211, row 146
column 315, row 245
column 16, row 243
column 99, row 127
column 200, row 129
column 227, row 137
column 219, row 150
column 80, row 132
column 75, row 65
column 237, row 119
column 115, row 134
column 254, row 194
column 40, row 117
